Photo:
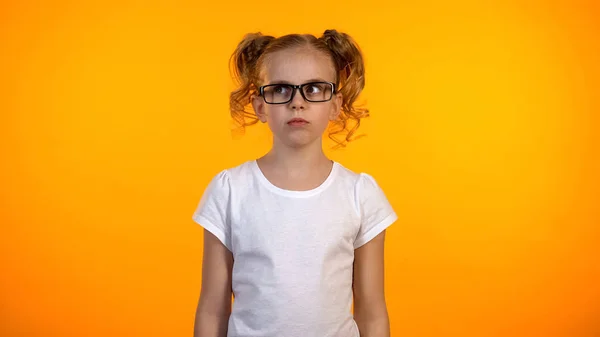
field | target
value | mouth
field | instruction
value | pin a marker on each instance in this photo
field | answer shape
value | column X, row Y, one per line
column 297, row 122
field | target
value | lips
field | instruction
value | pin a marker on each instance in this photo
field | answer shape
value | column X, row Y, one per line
column 297, row 122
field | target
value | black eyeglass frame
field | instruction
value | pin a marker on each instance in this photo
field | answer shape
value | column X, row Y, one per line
column 261, row 90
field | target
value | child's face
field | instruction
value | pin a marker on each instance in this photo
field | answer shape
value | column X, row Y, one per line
column 297, row 66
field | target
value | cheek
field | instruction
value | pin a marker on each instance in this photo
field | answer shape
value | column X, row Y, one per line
column 324, row 114
column 275, row 114
column 319, row 118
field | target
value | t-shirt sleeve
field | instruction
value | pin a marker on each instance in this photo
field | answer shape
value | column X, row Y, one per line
column 212, row 211
column 376, row 212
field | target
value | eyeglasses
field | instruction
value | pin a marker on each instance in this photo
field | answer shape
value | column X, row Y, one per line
column 284, row 93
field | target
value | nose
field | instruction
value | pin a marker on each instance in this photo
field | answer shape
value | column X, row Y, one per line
column 298, row 101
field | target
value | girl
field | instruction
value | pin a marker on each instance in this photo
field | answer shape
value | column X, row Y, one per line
column 294, row 236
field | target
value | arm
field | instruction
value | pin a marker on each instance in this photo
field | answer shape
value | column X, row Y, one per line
column 370, row 311
column 214, row 306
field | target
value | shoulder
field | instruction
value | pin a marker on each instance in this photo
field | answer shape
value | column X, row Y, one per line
column 229, row 176
column 347, row 175
column 365, row 188
column 220, row 186
column 238, row 175
column 357, row 179
column 371, row 204
column 241, row 170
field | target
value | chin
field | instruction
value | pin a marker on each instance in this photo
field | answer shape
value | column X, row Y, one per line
column 299, row 141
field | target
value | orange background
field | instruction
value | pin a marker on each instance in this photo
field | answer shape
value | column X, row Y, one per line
column 484, row 135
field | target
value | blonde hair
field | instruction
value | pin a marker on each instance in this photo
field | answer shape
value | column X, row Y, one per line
column 246, row 64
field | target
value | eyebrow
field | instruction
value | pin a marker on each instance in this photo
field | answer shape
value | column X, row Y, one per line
column 288, row 82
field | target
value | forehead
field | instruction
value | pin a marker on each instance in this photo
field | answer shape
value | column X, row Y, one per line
column 298, row 65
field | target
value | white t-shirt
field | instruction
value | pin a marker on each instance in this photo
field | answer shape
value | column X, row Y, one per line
column 293, row 250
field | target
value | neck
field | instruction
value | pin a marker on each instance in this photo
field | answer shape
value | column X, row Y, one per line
column 297, row 158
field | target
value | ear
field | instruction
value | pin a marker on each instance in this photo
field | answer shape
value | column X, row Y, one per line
column 258, row 104
column 336, row 106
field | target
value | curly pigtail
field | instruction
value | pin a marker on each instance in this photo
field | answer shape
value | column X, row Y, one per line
column 351, row 80
column 243, row 66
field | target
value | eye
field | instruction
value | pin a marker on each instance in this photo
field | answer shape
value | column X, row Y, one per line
column 281, row 89
column 314, row 89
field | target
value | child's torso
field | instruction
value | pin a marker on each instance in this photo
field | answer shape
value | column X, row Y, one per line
column 293, row 256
